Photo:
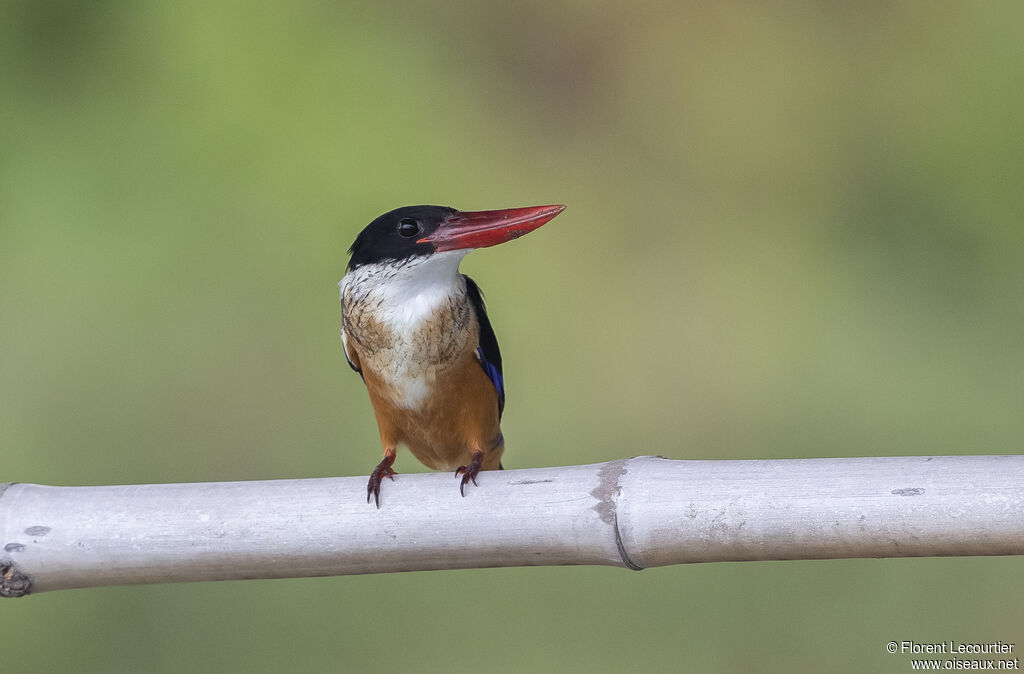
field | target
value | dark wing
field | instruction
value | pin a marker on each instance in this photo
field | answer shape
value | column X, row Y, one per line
column 487, row 350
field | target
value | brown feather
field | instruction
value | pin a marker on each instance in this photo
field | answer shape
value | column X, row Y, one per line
column 458, row 417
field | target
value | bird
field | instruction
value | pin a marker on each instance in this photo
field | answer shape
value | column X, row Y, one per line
column 417, row 332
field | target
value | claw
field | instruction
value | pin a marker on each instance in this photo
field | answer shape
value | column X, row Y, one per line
column 383, row 470
column 469, row 472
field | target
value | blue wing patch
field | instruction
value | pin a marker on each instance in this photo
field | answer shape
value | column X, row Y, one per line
column 494, row 374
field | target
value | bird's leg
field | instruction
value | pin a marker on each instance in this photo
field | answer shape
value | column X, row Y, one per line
column 383, row 470
column 469, row 472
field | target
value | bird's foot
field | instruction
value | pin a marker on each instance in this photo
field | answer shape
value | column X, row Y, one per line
column 383, row 470
column 476, row 464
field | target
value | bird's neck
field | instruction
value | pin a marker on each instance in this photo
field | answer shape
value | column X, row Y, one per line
column 403, row 293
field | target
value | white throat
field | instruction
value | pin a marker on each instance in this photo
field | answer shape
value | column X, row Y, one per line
column 407, row 291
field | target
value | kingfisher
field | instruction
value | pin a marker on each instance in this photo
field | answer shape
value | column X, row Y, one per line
column 416, row 330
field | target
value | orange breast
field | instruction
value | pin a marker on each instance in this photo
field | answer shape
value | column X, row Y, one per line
column 458, row 416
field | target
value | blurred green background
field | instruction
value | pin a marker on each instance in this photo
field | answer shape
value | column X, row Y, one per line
column 794, row 230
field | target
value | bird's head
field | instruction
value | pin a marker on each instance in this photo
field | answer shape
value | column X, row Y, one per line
column 424, row 231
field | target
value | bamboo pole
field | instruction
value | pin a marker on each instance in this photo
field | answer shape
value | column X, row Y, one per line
column 634, row 513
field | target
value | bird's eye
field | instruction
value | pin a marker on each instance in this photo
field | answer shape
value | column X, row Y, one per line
column 408, row 228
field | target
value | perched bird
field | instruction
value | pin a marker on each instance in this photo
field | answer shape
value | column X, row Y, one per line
column 417, row 332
